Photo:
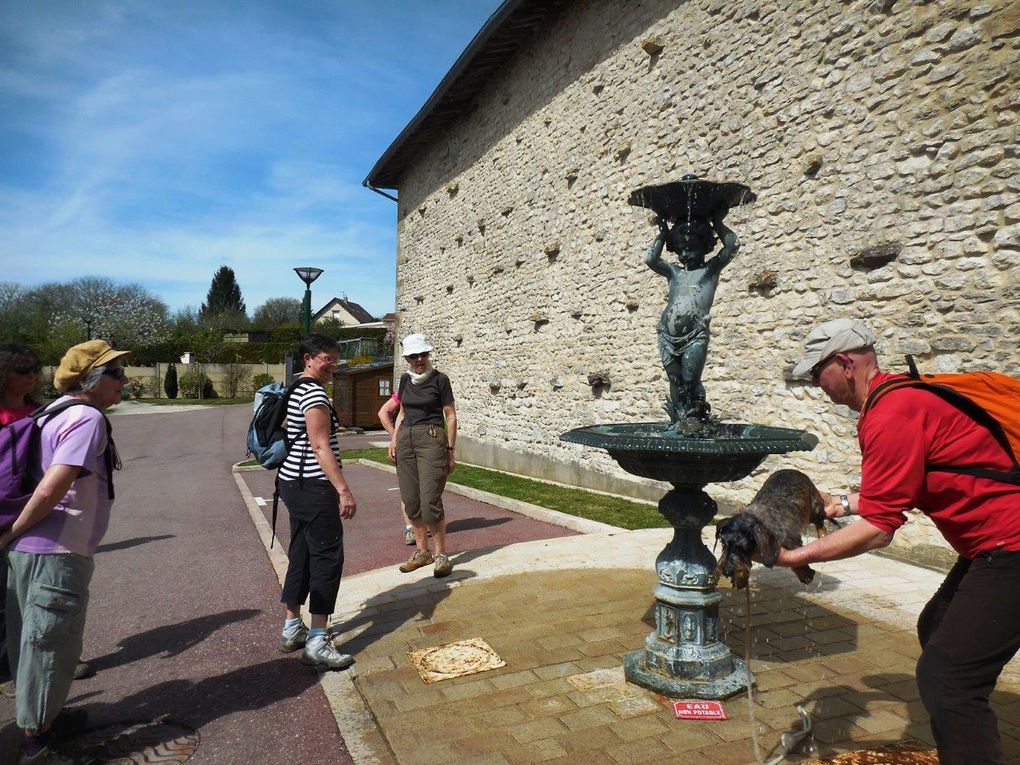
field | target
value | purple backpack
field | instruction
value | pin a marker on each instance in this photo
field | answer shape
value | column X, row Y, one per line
column 20, row 460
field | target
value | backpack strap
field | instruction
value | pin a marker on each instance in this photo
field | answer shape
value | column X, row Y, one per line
column 111, row 458
column 276, row 506
column 969, row 408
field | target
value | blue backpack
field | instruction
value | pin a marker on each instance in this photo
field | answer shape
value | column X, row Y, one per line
column 20, row 459
column 267, row 433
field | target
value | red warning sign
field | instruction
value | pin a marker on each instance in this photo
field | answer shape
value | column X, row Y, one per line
column 699, row 710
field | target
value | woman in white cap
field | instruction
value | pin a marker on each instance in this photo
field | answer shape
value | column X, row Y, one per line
column 422, row 445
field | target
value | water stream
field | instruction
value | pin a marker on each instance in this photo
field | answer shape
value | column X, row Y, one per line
column 750, row 682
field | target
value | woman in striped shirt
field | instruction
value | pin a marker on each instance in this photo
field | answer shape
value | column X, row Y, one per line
column 317, row 496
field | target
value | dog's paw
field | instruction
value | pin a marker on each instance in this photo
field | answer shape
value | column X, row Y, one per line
column 806, row 574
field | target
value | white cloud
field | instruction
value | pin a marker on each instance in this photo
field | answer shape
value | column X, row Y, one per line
column 152, row 143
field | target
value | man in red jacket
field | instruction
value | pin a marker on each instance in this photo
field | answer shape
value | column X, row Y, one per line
column 970, row 628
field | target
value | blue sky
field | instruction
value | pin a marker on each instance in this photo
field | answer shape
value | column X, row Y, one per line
column 152, row 142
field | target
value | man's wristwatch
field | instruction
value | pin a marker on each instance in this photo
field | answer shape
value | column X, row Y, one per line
column 449, row 448
column 844, row 500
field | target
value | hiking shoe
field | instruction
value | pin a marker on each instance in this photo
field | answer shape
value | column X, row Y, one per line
column 416, row 561
column 82, row 670
column 294, row 638
column 409, row 536
column 443, row 566
column 36, row 750
column 8, row 689
column 319, row 650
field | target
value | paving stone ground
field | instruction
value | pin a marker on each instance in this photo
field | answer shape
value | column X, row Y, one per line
column 562, row 612
column 562, row 697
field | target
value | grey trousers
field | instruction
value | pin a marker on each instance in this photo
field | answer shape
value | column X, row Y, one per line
column 47, row 596
column 423, row 465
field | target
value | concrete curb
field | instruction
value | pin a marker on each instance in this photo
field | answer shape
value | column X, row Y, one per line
column 535, row 512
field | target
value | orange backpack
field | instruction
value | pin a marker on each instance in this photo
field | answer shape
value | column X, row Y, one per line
column 991, row 399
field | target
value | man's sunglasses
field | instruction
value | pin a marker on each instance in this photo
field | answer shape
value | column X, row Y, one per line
column 416, row 356
column 30, row 370
column 117, row 373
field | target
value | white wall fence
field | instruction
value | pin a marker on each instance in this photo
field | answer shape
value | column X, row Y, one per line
column 147, row 381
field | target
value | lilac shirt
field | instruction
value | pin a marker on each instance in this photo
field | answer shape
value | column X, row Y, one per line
column 75, row 437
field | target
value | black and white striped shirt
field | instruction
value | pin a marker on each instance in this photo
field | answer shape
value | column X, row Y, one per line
column 301, row 462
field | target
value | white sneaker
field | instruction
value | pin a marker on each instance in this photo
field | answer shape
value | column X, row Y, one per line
column 319, row 650
column 293, row 638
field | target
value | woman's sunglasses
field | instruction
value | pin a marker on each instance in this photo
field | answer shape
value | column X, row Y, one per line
column 116, row 374
column 30, row 370
column 416, row 356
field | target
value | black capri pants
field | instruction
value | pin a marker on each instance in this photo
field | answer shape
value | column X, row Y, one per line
column 316, row 549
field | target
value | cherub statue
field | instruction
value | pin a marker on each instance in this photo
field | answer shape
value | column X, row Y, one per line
column 684, row 327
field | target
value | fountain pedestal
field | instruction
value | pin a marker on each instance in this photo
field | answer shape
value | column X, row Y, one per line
column 684, row 657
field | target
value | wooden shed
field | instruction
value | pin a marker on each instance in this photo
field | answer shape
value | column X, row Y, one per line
column 359, row 391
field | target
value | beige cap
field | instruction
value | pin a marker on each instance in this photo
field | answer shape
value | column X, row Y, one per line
column 80, row 360
column 836, row 336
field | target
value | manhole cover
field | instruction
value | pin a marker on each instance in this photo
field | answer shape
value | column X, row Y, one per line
column 165, row 742
column 465, row 657
column 893, row 754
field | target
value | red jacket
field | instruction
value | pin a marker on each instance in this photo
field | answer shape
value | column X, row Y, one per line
column 911, row 427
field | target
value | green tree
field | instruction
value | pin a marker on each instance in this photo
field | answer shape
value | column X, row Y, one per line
column 223, row 307
column 52, row 317
column 170, row 381
column 122, row 314
column 277, row 311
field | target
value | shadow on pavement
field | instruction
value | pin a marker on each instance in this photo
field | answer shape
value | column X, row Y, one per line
column 169, row 640
column 126, row 544
column 414, row 601
column 196, row 704
column 466, row 524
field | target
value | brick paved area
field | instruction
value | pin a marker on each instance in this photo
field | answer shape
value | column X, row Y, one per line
column 562, row 612
column 562, row 696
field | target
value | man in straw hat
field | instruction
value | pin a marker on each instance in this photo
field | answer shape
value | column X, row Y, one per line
column 970, row 628
column 51, row 544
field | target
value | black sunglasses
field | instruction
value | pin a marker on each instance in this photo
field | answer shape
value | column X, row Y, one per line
column 116, row 374
column 416, row 356
column 31, row 370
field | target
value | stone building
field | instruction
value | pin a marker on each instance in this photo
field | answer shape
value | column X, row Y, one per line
column 881, row 137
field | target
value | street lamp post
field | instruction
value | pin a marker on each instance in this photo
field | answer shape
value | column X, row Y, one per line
column 308, row 275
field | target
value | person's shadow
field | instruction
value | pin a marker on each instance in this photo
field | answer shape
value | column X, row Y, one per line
column 415, row 601
column 171, row 639
column 836, row 712
column 125, row 544
column 163, row 708
column 467, row 524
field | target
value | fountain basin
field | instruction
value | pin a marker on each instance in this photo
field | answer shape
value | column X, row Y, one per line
column 726, row 452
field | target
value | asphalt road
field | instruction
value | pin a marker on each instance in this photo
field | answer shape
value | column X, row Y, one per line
column 184, row 615
column 183, row 620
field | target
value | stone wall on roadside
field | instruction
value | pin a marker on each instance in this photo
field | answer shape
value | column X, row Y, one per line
column 880, row 137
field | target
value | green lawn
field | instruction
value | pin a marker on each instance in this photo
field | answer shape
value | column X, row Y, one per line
column 577, row 502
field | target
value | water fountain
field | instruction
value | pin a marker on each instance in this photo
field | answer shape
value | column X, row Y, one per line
column 684, row 657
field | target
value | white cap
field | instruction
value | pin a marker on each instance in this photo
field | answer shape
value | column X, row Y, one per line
column 836, row 336
column 415, row 344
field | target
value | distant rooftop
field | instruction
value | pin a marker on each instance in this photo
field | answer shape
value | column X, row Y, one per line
column 355, row 310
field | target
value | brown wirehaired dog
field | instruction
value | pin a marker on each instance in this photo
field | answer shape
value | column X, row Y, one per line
column 786, row 503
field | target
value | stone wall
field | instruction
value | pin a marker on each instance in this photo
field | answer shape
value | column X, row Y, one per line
column 881, row 138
